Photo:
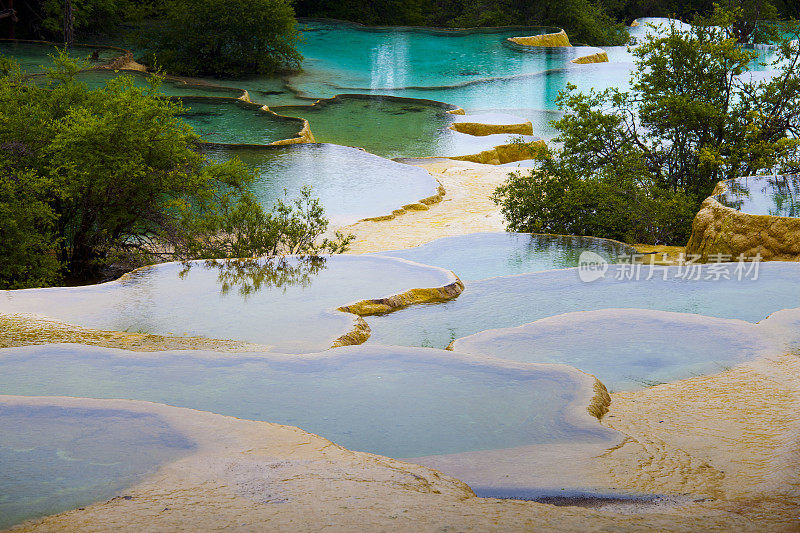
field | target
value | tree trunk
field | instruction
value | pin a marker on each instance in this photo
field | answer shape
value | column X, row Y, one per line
column 68, row 23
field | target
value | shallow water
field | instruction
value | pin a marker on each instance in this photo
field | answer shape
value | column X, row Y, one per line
column 391, row 127
column 53, row 459
column 33, row 56
column 97, row 78
column 399, row 402
column 351, row 184
column 516, row 300
column 628, row 349
column 763, row 195
column 291, row 308
column 486, row 255
column 231, row 121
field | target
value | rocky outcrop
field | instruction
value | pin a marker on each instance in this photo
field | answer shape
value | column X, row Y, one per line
column 506, row 153
column 548, row 39
column 479, row 129
column 718, row 229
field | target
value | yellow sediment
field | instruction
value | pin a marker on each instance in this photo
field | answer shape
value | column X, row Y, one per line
column 26, row 329
column 506, row 153
column 660, row 254
column 599, row 57
column 382, row 306
column 466, row 208
column 479, row 129
column 457, row 111
column 423, row 205
column 548, row 39
column 718, row 230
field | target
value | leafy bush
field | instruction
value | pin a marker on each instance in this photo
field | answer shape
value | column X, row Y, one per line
column 227, row 39
column 636, row 165
column 91, row 178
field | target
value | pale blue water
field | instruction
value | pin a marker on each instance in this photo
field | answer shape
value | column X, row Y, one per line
column 763, row 195
column 290, row 306
column 351, row 184
column 516, row 300
column 53, row 459
column 393, row 401
column 485, row 255
column 628, row 349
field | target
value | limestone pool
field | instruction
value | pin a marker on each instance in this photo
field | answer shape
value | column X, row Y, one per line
column 351, row 184
column 287, row 305
column 53, row 459
column 515, row 300
column 231, row 121
column 487, row 255
column 391, row 127
column 400, row 402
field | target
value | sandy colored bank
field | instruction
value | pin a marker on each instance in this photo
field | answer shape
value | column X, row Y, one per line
column 466, row 207
column 729, row 442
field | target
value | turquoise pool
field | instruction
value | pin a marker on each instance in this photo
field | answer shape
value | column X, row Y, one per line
column 630, row 348
column 231, row 121
column 53, row 459
column 32, row 56
column 350, row 183
column 391, row 127
column 400, row 402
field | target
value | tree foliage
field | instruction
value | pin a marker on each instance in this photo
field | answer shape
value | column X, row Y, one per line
column 95, row 177
column 636, row 165
column 584, row 20
column 227, row 39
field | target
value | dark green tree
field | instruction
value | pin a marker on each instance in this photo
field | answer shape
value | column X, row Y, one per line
column 92, row 178
column 227, row 39
column 648, row 157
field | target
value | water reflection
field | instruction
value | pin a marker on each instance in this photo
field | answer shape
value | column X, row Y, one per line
column 777, row 195
column 250, row 276
column 486, row 255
